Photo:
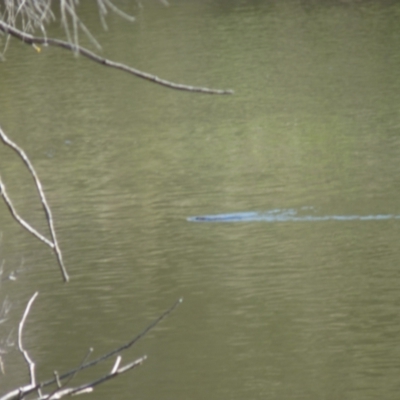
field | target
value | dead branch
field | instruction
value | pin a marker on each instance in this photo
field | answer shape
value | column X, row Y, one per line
column 62, row 390
column 88, row 387
column 34, row 40
column 49, row 217
column 31, row 15
column 20, row 220
column 57, row 376
column 119, row 349
column 18, row 393
column 29, row 361
column 36, row 14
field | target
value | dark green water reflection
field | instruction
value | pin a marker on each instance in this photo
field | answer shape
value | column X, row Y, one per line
column 271, row 311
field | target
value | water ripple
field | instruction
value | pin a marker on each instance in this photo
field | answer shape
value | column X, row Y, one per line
column 286, row 215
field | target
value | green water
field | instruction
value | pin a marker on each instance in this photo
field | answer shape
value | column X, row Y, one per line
column 270, row 311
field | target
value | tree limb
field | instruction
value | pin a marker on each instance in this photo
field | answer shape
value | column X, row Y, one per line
column 32, row 15
column 20, row 220
column 119, row 349
column 88, row 387
column 29, row 361
column 49, row 216
column 74, row 47
column 61, row 390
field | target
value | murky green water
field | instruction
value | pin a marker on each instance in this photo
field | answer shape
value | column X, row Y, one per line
column 271, row 311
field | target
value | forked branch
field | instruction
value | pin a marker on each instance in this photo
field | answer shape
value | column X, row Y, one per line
column 119, row 349
column 63, row 388
column 49, row 217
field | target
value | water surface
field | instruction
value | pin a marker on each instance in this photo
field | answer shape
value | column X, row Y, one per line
column 286, row 215
column 280, row 311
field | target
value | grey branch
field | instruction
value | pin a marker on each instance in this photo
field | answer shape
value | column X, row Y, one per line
column 88, row 387
column 29, row 361
column 20, row 220
column 61, row 389
column 49, row 217
column 19, row 393
column 34, row 40
column 119, row 349
column 31, row 15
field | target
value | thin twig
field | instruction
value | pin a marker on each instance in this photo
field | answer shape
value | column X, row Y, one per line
column 29, row 361
column 58, row 380
column 28, row 389
column 49, row 217
column 130, row 343
column 31, row 15
column 116, row 364
column 88, row 387
column 115, row 9
column 110, row 375
column 27, row 38
column 20, row 220
column 119, row 349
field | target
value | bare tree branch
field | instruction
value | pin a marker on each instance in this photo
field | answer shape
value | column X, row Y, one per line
column 109, row 376
column 20, row 220
column 121, row 348
column 29, row 361
column 32, row 40
column 89, row 387
column 49, row 216
column 102, row 6
column 31, row 15
column 58, row 380
column 20, row 19
column 61, row 390
column 35, row 14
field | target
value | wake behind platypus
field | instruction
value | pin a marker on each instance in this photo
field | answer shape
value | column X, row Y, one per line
column 287, row 215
